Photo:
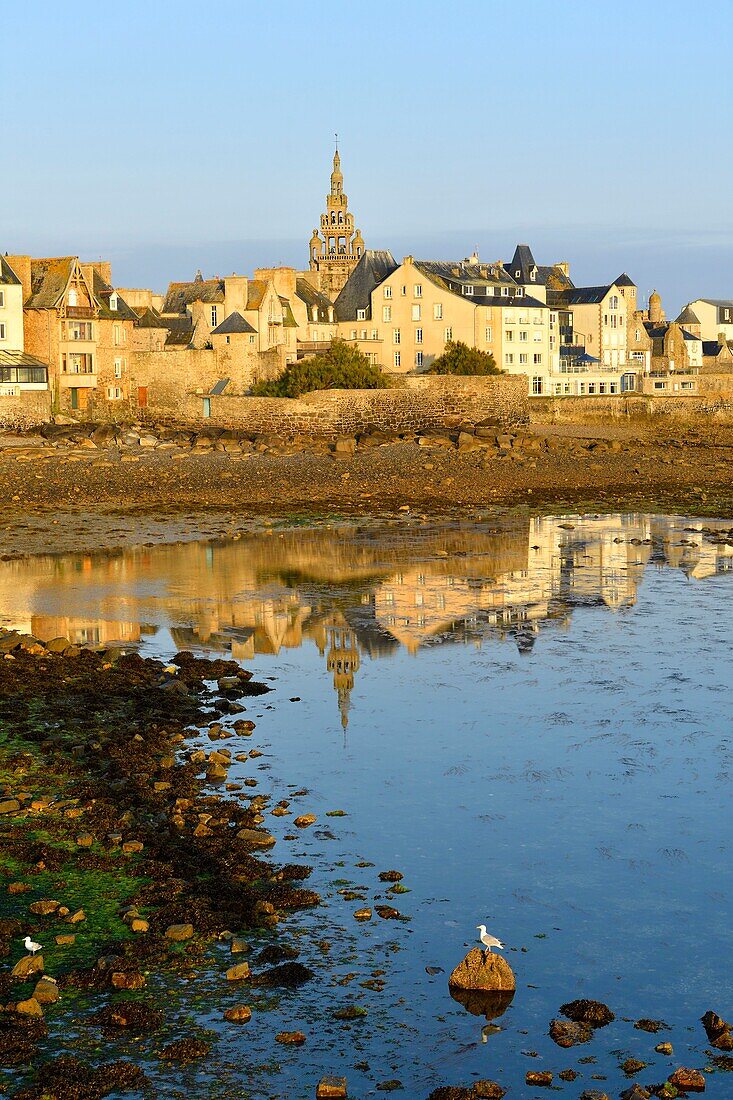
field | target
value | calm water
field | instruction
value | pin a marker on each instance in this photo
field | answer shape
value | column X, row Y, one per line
column 532, row 722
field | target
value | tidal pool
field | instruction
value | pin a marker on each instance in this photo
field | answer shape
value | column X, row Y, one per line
column 530, row 720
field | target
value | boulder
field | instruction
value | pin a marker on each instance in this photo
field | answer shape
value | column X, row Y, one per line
column 592, row 1013
column 540, row 1079
column 238, row 972
column 28, row 965
column 290, row 1038
column 687, row 1080
column 30, row 1007
column 44, row 907
column 568, row 1034
column 9, row 806
column 46, row 992
column 239, row 1014
column 179, row 932
column 485, row 971
column 331, row 1088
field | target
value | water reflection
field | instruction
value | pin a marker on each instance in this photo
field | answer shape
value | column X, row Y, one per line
column 357, row 592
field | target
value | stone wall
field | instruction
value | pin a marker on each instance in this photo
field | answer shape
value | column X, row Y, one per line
column 713, row 402
column 31, row 408
column 418, row 404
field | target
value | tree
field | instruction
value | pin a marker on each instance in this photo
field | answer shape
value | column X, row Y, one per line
column 459, row 358
column 342, row 367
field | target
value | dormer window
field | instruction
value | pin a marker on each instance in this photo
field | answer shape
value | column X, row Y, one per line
column 467, row 289
column 520, row 292
column 113, row 302
column 517, row 274
column 361, row 315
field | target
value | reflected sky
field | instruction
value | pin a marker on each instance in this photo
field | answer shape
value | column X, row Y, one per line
column 531, row 721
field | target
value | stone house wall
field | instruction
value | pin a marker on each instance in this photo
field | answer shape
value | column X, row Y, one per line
column 30, row 408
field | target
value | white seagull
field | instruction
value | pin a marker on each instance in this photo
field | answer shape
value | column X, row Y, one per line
column 487, row 940
column 31, row 945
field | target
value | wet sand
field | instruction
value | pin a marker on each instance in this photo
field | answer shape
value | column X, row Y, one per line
column 66, row 500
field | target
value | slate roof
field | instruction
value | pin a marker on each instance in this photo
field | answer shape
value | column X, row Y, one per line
column 688, row 317
column 580, row 295
column 7, row 275
column 234, row 323
column 255, row 293
column 372, row 269
column 313, row 298
column 448, row 274
column 548, row 275
column 727, row 303
column 624, row 280
column 148, row 317
column 180, row 331
column 180, row 295
column 103, row 292
column 48, row 281
column 219, row 387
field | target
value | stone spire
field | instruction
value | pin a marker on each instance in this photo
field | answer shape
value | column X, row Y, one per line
column 337, row 248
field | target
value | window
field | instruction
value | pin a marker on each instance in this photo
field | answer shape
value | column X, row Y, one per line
column 523, row 336
column 438, row 311
column 113, row 302
column 613, row 302
column 116, row 335
column 612, row 387
column 228, row 340
column 213, row 316
column 361, row 314
column 537, row 337
column 536, row 385
column 418, row 358
column 505, row 292
column 601, row 387
column 509, row 359
column 418, row 336
column 397, row 359
column 73, row 298
column 523, row 358
column 362, row 334
column 537, row 358
column 467, row 289
column 396, row 336
column 252, row 339
column 114, row 393
column 388, row 292
column 2, row 298
column 591, row 387
column 386, row 313
column 375, row 334
column 660, row 385
column 508, row 335
column 403, row 291
column 353, row 334
column 118, row 368
column 417, row 312
column 2, row 331
column 418, row 290
column 488, row 334
column 448, row 334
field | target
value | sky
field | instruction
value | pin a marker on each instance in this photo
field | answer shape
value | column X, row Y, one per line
column 168, row 137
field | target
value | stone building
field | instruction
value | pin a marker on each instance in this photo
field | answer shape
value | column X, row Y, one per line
column 714, row 316
column 75, row 321
column 337, row 249
column 24, row 392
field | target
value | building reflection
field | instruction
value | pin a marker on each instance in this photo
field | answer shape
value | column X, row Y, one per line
column 357, row 593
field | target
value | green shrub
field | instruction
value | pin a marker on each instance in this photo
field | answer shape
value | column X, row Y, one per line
column 459, row 358
column 342, row 367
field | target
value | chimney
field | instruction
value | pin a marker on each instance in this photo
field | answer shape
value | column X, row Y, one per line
column 21, row 266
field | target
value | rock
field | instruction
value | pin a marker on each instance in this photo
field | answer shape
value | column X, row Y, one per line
column 44, row 907
column 331, row 1088
column 28, row 965
column 636, row 1092
column 483, row 971
column 256, row 838
column 305, row 821
column 185, row 1050
column 238, row 972
column 84, row 840
column 65, row 939
column 238, row 946
column 387, row 912
column 46, row 992
column 77, row 917
column 390, row 1086
column 664, row 1048
column 593, row 1094
column 31, row 1007
column 363, row 914
column 541, row 1079
column 289, row 974
column 717, row 1031
column 593, row 1013
column 19, row 887
column 9, row 806
column 390, row 876
column 138, row 924
column 129, row 979
column 632, row 1066
column 179, row 932
column 239, row 1014
column 290, row 1038
column 568, row 1034
column 651, row 1026
column 687, row 1080
column 567, row 1075
column 132, row 846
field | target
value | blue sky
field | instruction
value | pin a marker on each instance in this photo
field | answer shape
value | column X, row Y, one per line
column 171, row 136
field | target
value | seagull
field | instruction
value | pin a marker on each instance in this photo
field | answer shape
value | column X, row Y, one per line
column 31, row 946
column 487, row 940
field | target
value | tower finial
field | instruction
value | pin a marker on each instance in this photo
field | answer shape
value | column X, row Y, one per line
column 337, row 142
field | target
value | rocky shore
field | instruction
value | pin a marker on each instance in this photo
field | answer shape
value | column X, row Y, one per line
column 166, row 478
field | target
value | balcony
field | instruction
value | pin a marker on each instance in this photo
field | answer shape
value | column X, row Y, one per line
column 80, row 313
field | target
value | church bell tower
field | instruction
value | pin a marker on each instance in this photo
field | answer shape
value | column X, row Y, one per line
column 337, row 248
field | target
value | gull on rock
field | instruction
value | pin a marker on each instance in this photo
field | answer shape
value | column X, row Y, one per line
column 31, row 946
column 487, row 940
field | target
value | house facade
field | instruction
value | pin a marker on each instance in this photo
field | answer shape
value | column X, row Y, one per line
column 715, row 316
